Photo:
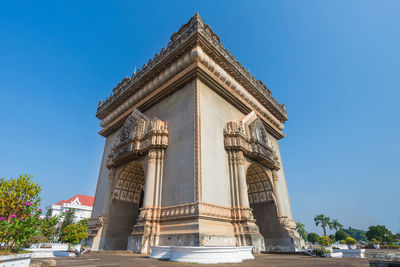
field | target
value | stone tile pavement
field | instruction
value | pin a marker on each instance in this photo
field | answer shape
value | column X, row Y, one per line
column 124, row 259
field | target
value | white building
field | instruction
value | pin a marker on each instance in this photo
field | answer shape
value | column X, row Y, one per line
column 81, row 204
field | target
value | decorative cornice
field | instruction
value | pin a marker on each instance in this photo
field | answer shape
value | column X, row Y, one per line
column 149, row 77
column 195, row 209
column 196, row 54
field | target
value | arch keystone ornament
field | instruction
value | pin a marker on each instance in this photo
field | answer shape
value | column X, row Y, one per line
column 191, row 157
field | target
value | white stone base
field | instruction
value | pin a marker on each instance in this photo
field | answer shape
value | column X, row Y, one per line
column 38, row 252
column 160, row 252
column 334, row 255
column 208, row 255
column 352, row 253
column 20, row 260
column 63, row 254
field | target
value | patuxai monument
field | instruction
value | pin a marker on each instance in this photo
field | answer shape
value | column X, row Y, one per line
column 192, row 156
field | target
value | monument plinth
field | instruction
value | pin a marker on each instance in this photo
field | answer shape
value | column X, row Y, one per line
column 191, row 156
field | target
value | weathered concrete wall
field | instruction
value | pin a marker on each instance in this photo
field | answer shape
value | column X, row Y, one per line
column 122, row 217
column 177, row 110
column 102, row 197
column 268, row 223
column 282, row 191
column 215, row 112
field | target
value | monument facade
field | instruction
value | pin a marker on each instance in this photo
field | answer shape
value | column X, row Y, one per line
column 191, row 156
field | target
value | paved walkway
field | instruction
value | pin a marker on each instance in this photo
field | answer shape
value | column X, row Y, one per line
column 108, row 260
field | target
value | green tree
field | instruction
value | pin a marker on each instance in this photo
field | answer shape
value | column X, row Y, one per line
column 49, row 212
column 16, row 194
column 48, row 227
column 300, row 228
column 380, row 233
column 341, row 235
column 68, row 219
column 313, row 237
column 324, row 221
column 357, row 234
column 336, row 225
column 332, row 238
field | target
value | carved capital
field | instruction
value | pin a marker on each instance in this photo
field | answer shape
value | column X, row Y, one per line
column 138, row 135
column 249, row 137
column 94, row 225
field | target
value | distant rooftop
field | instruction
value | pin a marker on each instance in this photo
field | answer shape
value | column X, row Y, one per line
column 83, row 200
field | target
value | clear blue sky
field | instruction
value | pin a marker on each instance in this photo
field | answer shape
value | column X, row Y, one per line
column 335, row 64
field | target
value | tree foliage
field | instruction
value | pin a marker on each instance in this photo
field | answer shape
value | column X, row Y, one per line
column 332, row 238
column 15, row 193
column 336, row 225
column 380, row 233
column 357, row 234
column 68, row 219
column 313, row 237
column 351, row 241
column 300, row 228
column 324, row 240
column 341, row 235
column 324, row 221
column 74, row 233
column 20, row 219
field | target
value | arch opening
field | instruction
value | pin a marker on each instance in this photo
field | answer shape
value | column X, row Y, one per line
column 262, row 201
column 126, row 201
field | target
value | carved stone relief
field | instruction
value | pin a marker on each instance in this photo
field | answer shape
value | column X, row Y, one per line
column 138, row 135
column 250, row 136
column 258, row 185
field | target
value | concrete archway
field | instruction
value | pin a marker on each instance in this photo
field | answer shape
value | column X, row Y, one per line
column 262, row 201
column 127, row 199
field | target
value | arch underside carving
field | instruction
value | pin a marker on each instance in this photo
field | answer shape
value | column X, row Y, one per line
column 259, row 187
column 262, row 201
column 129, row 184
column 124, row 205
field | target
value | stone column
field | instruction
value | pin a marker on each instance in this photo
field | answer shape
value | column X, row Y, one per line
column 276, row 187
column 149, row 186
column 241, row 175
column 147, row 228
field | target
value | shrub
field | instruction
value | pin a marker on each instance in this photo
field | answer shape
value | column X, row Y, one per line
column 332, row 238
column 350, row 241
column 324, row 240
column 342, row 242
column 19, row 232
column 20, row 223
column 374, row 241
column 74, row 233
column 313, row 237
column 319, row 251
column 15, row 194
column 341, row 235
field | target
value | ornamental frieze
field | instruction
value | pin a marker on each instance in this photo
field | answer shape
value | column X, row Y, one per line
column 250, row 136
column 138, row 135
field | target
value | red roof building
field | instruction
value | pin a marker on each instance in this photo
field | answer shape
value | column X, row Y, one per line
column 81, row 204
column 82, row 199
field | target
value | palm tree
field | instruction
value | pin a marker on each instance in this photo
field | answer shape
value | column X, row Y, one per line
column 336, row 225
column 301, row 229
column 324, row 221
